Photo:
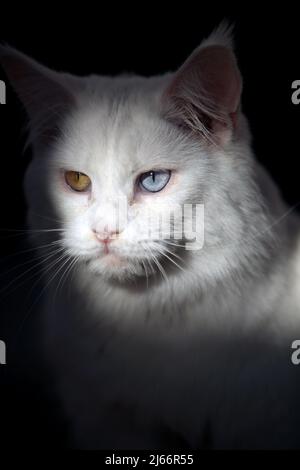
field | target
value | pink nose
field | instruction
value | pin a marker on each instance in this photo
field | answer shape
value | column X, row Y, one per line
column 106, row 236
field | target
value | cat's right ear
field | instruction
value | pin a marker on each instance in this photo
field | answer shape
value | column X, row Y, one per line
column 204, row 94
column 44, row 93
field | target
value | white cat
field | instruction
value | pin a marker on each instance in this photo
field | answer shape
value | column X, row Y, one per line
column 154, row 345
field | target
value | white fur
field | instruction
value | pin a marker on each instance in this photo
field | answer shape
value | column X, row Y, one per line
column 206, row 351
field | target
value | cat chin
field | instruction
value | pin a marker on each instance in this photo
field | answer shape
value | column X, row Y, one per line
column 112, row 267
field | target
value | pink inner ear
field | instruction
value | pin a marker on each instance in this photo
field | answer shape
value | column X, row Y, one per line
column 207, row 89
column 211, row 71
column 38, row 87
column 42, row 91
column 219, row 76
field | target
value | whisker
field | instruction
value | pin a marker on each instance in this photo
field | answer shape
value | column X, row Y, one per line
column 35, row 258
column 25, row 231
column 69, row 258
column 42, row 216
column 159, row 266
column 69, row 269
column 43, row 272
column 28, row 313
column 171, row 252
column 5, row 288
column 172, row 261
column 28, row 250
column 173, row 244
column 146, row 272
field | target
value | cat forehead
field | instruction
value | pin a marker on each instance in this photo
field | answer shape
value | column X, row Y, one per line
column 117, row 119
column 121, row 94
column 110, row 134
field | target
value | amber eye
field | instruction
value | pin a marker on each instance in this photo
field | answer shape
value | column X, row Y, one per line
column 77, row 181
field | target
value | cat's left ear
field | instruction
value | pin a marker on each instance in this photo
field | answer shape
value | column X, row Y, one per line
column 45, row 94
column 204, row 94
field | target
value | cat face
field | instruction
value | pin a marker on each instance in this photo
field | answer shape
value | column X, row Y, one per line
column 117, row 159
column 117, row 179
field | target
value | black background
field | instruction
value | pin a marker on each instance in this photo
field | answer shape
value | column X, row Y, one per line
column 145, row 40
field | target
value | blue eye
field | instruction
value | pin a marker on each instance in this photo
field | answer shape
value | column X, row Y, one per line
column 154, row 181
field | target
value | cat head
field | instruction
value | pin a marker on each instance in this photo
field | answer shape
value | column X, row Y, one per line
column 115, row 155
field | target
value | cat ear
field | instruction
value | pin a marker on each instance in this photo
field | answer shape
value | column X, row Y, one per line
column 44, row 93
column 204, row 94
